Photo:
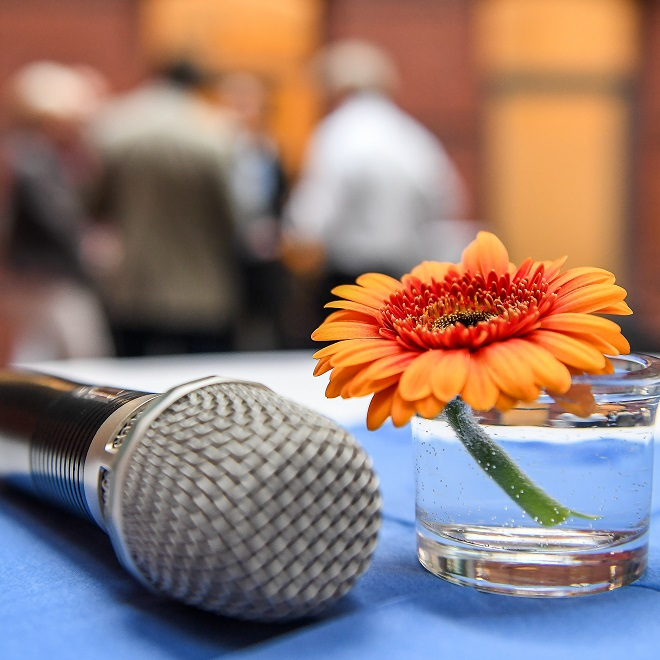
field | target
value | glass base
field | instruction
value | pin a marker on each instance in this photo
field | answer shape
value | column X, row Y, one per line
column 538, row 562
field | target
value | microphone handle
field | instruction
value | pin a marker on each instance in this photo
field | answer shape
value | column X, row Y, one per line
column 58, row 437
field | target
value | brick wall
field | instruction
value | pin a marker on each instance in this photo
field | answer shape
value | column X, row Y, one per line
column 644, row 235
column 100, row 33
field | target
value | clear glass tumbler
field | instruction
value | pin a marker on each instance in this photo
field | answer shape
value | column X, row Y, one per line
column 471, row 532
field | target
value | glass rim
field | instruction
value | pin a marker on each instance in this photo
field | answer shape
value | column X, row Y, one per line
column 630, row 370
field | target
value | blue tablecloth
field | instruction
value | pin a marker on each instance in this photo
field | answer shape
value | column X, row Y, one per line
column 64, row 595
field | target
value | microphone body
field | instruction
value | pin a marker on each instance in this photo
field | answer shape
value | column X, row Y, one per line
column 218, row 493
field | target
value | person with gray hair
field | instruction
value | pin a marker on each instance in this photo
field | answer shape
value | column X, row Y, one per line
column 375, row 183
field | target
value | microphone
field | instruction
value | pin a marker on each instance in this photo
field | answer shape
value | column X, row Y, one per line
column 218, row 493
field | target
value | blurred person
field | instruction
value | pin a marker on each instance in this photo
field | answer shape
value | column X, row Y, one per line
column 377, row 190
column 164, row 186
column 48, row 298
column 259, row 186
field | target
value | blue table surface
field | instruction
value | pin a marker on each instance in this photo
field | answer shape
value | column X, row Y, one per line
column 64, row 595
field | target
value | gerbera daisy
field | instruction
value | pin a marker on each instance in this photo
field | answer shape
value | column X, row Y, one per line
column 483, row 329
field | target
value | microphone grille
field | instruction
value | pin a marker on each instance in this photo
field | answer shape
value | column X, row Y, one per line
column 243, row 503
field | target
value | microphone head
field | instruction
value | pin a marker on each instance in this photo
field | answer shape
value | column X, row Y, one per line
column 234, row 499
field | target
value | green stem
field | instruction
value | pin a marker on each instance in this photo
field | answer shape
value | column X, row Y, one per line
column 503, row 470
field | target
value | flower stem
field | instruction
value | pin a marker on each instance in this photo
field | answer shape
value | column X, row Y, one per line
column 502, row 469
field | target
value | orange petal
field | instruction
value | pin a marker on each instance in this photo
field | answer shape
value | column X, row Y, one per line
column 345, row 330
column 323, row 366
column 344, row 315
column 549, row 372
column 339, row 346
column 484, row 254
column 552, row 268
column 575, row 278
column 620, row 308
column 384, row 284
column 597, row 342
column 352, row 306
column 449, row 373
column 429, row 407
column 608, row 368
column 380, row 408
column 505, row 402
column 593, row 327
column 416, row 379
column 589, row 299
column 402, row 410
column 511, row 374
column 579, row 401
column 359, row 294
column 526, row 267
column 388, row 367
column 339, row 379
column 358, row 387
column 365, row 352
column 578, row 322
column 569, row 350
column 431, row 270
column 479, row 391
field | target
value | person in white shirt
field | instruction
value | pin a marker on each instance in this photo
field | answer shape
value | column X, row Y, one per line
column 377, row 188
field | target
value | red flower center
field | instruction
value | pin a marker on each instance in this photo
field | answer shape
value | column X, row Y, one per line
column 465, row 311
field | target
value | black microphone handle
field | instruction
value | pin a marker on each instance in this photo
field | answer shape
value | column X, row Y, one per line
column 47, row 426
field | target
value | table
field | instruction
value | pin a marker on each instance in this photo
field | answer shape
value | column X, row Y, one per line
column 63, row 593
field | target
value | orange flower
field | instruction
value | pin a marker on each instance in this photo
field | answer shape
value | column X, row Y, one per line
column 484, row 329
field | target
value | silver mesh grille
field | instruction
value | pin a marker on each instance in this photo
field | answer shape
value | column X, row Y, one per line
column 114, row 447
column 240, row 502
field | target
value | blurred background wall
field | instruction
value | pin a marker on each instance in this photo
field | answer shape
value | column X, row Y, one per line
column 102, row 33
column 272, row 39
column 550, row 108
